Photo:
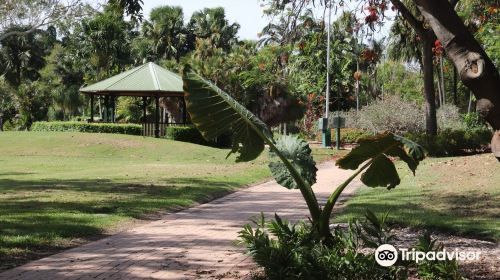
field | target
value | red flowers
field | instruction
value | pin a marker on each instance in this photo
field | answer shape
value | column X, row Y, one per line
column 438, row 48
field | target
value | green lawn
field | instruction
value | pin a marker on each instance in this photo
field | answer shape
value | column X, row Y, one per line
column 459, row 195
column 58, row 190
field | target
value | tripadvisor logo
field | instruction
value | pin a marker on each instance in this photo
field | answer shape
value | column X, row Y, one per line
column 387, row 255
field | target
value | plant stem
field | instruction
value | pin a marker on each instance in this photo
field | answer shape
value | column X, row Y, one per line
column 324, row 220
column 305, row 189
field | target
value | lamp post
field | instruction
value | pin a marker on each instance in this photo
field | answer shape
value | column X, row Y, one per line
column 326, row 132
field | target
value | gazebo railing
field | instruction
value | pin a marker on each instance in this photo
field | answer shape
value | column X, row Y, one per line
column 148, row 129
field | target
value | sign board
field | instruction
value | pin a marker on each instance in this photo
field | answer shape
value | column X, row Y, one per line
column 338, row 122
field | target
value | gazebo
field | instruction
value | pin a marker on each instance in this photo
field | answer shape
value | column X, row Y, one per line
column 148, row 80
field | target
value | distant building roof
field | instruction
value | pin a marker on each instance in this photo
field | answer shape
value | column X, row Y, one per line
column 146, row 80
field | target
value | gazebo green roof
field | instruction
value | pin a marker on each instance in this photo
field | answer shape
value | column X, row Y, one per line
column 149, row 79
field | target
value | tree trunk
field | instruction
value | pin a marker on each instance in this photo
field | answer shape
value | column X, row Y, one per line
column 429, row 90
column 455, row 83
column 475, row 68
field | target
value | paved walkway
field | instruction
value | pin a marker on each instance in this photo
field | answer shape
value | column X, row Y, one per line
column 191, row 244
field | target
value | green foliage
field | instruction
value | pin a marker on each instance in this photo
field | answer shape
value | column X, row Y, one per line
column 297, row 151
column 131, row 129
column 214, row 113
column 395, row 78
column 473, row 120
column 437, row 269
column 212, row 24
column 185, row 134
column 453, row 142
column 33, row 102
column 350, row 135
column 378, row 149
column 295, row 251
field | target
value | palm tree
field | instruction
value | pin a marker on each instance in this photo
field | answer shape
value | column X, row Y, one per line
column 167, row 32
column 211, row 24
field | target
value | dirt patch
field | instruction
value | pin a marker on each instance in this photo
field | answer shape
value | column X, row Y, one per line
column 487, row 267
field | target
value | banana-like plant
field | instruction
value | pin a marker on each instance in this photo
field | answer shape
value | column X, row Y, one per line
column 215, row 112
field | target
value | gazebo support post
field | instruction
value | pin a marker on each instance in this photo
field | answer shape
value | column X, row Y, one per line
column 106, row 109
column 184, row 111
column 91, row 108
column 113, row 109
column 157, row 117
column 144, row 104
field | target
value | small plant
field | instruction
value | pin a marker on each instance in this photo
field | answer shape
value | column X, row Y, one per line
column 434, row 270
column 295, row 251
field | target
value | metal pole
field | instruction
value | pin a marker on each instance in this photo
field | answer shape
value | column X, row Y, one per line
column 327, row 107
column 326, row 137
column 337, row 130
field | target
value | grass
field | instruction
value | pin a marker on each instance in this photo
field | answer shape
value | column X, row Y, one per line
column 59, row 190
column 458, row 195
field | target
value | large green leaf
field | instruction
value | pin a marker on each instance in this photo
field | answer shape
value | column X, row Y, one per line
column 298, row 153
column 214, row 113
column 378, row 149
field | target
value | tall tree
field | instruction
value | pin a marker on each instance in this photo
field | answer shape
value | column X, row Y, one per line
column 167, row 32
column 103, row 41
column 211, row 24
column 475, row 68
column 22, row 56
column 427, row 38
column 36, row 14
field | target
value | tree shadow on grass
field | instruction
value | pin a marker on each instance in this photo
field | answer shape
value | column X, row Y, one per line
column 45, row 215
column 483, row 225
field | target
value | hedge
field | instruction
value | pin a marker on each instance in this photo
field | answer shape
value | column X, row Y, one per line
column 131, row 129
column 350, row 135
column 192, row 135
column 452, row 142
column 185, row 134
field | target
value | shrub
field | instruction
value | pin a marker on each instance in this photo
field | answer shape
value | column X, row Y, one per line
column 448, row 117
column 350, row 135
column 473, row 120
column 295, row 251
column 452, row 142
column 400, row 117
column 192, row 135
column 391, row 114
column 131, row 129
column 185, row 134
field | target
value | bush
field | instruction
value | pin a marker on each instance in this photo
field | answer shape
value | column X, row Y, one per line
column 185, row 134
column 131, row 129
column 391, row 114
column 350, row 135
column 448, row 117
column 452, row 142
column 294, row 251
column 400, row 117
column 473, row 120
column 192, row 135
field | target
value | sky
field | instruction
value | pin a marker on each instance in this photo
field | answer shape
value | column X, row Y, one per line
column 248, row 13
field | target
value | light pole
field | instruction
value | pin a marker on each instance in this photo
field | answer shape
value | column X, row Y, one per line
column 326, row 132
